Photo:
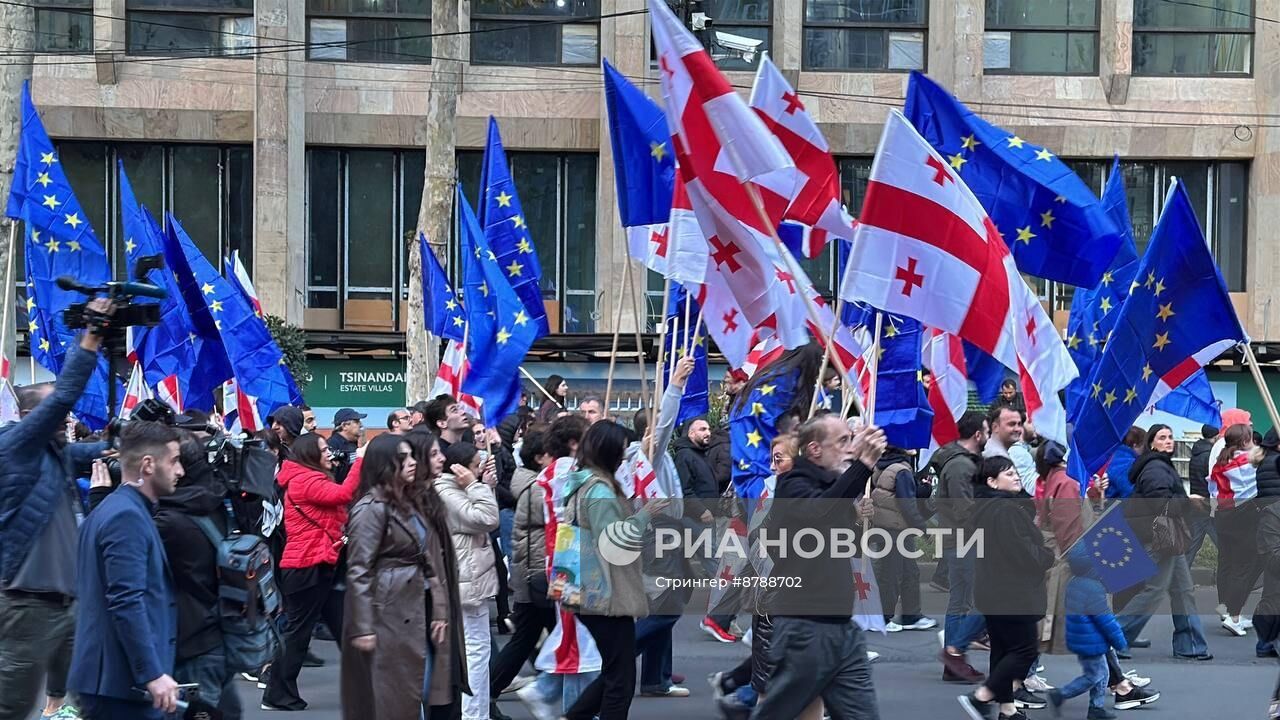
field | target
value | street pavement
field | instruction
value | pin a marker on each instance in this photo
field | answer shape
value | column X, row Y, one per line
column 1236, row 685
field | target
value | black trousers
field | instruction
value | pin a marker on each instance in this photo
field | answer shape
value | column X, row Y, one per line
column 530, row 621
column 1013, row 651
column 1239, row 564
column 504, row 590
column 608, row 697
column 309, row 596
column 899, row 578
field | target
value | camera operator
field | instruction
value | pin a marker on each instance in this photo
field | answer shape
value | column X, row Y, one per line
column 39, row 513
column 344, row 441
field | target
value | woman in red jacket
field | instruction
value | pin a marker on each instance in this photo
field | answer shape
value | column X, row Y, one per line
column 315, row 519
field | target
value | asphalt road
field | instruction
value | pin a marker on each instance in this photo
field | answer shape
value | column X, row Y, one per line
column 1236, row 685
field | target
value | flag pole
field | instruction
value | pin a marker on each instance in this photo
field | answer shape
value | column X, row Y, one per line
column 688, row 333
column 7, row 323
column 644, row 380
column 617, row 329
column 662, row 340
column 826, row 356
column 1256, row 371
column 869, row 412
column 538, row 385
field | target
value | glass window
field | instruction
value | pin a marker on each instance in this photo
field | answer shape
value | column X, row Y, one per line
column 537, row 175
column 1041, row 37
column 1213, row 37
column 525, row 32
column 371, row 237
column 64, row 26
column 373, row 31
column 1230, row 210
column 580, row 243
column 86, row 164
column 324, row 216
column 193, row 27
column 196, row 197
column 239, row 220
column 864, row 35
column 412, row 167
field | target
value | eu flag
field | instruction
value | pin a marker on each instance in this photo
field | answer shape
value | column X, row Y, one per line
column 644, row 167
column 902, row 404
column 506, row 232
column 59, row 241
column 442, row 314
column 500, row 329
column 168, row 349
column 753, row 425
column 697, row 397
column 1094, row 312
column 1053, row 224
column 1177, row 318
column 1115, row 552
column 226, row 320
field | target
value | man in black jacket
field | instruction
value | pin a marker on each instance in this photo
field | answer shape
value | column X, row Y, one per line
column 1198, row 520
column 825, row 652
column 701, row 498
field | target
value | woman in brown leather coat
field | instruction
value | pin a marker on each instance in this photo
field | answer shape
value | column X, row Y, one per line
column 400, row 643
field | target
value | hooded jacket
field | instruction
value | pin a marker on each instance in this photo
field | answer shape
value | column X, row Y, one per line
column 472, row 513
column 697, row 480
column 193, row 559
column 1010, row 576
column 1091, row 627
column 528, row 534
column 1269, row 466
column 1118, row 472
column 315, row 514
column 1154, row 480
column 592, row 504
column 1200, row 465
column 720, row 457
column 1061, row 507
column 957, row 469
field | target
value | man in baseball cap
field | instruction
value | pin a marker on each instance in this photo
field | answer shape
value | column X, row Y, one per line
column 345, row 439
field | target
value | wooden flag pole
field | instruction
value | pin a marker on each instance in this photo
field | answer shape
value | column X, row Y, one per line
column 1256, row 371
column 617, row 330
column 644, row 380
column 826, row 356
column 538, row 385
column 688, row 333
column 662, row 341
column 869, row 412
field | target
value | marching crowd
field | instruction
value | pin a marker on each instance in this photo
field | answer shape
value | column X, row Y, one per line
column 160, row 586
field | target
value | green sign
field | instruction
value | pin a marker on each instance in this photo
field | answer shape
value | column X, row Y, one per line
column 356, row 383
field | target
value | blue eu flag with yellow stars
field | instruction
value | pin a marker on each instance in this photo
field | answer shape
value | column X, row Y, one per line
column 501, row 331
column 1053, row 224
column 753, row 424
column 170, row 348
column 442, row 313
column 224, row 318
column 506, row 232
column 1094, row 312
column 697, row 397
column 1114, row 551
column 644, row 166
column 1177, row 318
column 59, row 241
column 902, row 404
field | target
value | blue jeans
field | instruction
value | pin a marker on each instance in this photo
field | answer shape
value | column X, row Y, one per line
column 1093, row 679
column 962, row 625
column 217, row 682
column 1173, row 577
column 1201, row 526
column 653, row 645
column 566, row 687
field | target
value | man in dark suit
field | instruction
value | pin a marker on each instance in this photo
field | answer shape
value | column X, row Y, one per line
column 126, row 624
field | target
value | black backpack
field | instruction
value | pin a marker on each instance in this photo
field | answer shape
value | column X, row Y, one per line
column 249, row 603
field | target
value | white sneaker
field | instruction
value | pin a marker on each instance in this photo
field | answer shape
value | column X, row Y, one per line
column 1136, row 680
column 892, row 627
column 1235, row 627
column 942, row 639
column 924, row 623
column 537, row 705
column 1246, row 623
column 747, row 637
column 872, row 656
column 1035, row 683
column 518, row 682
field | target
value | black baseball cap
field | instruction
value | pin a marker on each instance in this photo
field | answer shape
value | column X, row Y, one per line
column 346, row 414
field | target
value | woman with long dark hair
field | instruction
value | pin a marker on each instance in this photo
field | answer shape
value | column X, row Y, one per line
column 315, row 515
column 554, row 401
column 598, row 502
column 1233, row 484
column 385, row 640
column 1158, row 492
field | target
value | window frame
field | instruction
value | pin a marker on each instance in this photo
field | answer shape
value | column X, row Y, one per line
column 922, row 27
column 532, row 20
column 178, row 9
column 353, row 15
column 67, row 7
column 1251, row 31
column 1095, row 30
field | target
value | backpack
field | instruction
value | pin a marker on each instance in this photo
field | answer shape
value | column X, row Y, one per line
column 249, row 603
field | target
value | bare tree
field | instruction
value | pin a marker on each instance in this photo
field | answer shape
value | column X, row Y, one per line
column 17, row 36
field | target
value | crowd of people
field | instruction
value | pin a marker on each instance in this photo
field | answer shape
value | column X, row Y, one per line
column 416, row 547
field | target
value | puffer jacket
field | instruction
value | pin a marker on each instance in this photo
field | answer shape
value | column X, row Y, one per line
column 1009, row 579
column 529, row 534
column 1154, row 480
column 1268, row 464
column 315, row 515
column 1091, row 627
column 1118, row 472
column 472, row 513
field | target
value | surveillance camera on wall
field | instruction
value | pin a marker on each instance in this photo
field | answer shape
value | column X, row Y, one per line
column 748, row 47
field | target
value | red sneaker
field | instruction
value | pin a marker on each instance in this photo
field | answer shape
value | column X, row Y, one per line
column 717, row 633
column 955, row 668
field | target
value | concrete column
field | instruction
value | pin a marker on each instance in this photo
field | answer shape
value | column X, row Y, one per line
column 788, row 34
column 279, row 162
column 1263, row 252
column 955, row 46
column 1115, row 49
column 108, row 37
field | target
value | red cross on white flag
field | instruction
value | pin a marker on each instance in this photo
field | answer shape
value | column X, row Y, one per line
column 924, row 247
column 675, row 249
column 453, row 370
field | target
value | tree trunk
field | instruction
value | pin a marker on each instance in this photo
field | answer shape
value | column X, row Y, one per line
column 436, row 211
column 17, row 34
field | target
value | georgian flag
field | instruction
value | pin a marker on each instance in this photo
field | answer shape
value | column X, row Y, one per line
column 8, row 402
column 241, row 276
column 814, row 190
column 1233, row 481
column 569, row 649
column 924, row 247
column 135, row 392
column 170, row 393
column 675, row 249
column 943, row 355
column 453, row 370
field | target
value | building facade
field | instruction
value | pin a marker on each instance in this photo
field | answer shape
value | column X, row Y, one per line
column 292, row 131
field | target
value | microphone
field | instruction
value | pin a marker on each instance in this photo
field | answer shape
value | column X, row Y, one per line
column 115, row 289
